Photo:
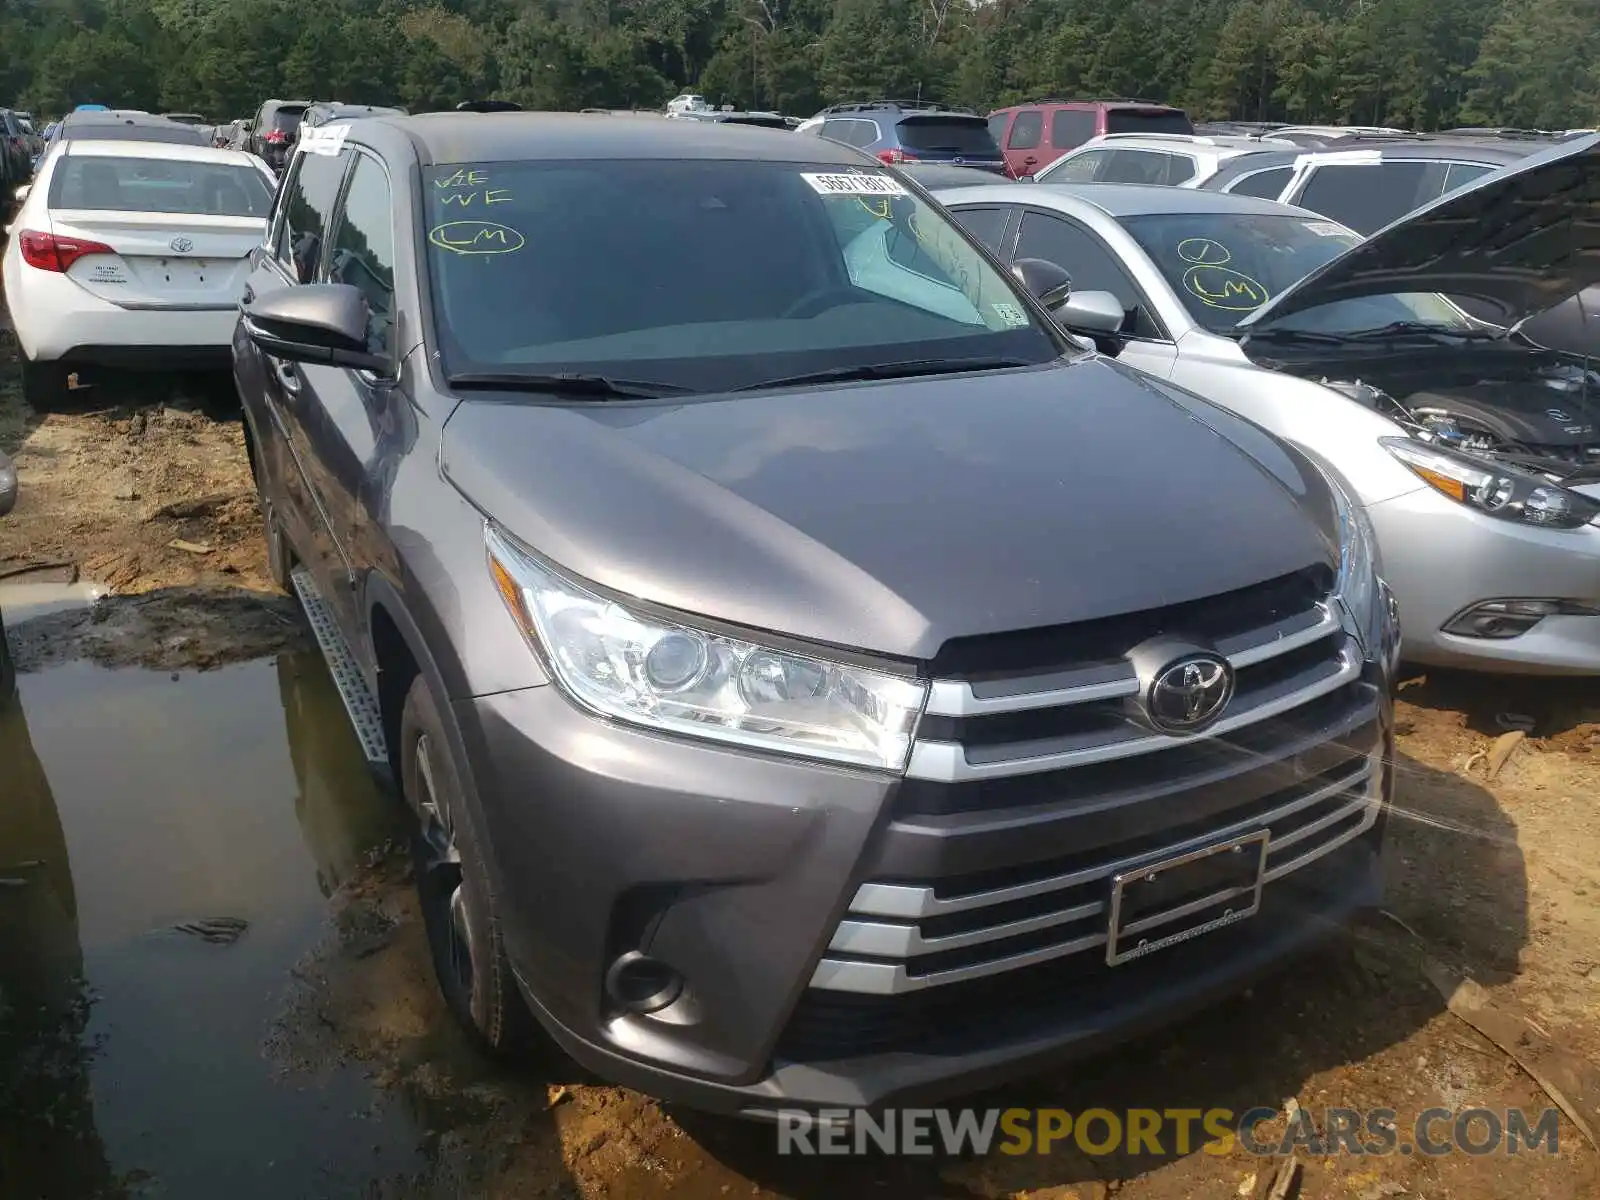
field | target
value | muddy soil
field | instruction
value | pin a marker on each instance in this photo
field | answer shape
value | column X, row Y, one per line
column 1495, row 865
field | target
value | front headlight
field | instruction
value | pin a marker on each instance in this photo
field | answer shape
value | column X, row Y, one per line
column 670, row 676
column 1368, row 603
column 1493, row 488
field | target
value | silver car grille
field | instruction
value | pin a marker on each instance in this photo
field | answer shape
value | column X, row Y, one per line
column 1295, row 678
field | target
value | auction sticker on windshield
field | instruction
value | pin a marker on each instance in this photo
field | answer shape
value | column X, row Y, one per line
column 1328, row 229
column 853, row 184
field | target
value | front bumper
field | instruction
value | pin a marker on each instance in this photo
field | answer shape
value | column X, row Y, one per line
column 1442, row 558
column 740, row 871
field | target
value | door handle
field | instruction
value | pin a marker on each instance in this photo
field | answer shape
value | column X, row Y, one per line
column 1030, row 160
column 288, row 376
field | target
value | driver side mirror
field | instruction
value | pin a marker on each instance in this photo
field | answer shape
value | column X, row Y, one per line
column 1048, row 282
column 324, row 323
column 8, row 487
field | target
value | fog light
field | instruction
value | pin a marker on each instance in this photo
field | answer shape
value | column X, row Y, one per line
column 1501, row 619
column 641, row 984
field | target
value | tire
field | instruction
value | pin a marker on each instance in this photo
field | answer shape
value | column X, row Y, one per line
column 460, row 910
column 44, row 385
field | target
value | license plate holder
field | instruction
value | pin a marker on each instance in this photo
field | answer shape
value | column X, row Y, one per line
column 1163, row 902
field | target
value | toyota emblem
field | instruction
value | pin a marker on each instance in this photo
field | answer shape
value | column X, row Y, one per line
column 1187, row 695
column 181, row 245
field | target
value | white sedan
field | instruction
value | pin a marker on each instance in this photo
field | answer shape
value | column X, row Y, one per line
column 131, row 254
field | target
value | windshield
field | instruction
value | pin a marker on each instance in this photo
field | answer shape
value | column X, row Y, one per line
column 1224, row 266
column 106, row 184
column 706, row 275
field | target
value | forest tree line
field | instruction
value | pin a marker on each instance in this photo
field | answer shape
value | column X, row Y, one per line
column 1420, row 64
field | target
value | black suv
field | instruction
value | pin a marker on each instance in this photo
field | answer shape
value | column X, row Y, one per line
column 901, row 131
column 275, row 130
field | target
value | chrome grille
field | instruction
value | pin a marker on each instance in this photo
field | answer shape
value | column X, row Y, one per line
column 1333, row 662
column 1298, row 676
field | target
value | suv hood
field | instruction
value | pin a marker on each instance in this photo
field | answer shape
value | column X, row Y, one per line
column 1522, row 239
column 892, row 516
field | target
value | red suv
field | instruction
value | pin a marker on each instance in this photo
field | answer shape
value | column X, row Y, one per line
column 1037, row 133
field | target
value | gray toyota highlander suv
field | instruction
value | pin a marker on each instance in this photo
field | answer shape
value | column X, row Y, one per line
column 817, row 679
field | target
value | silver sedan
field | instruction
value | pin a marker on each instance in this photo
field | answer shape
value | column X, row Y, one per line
column 1474, row 451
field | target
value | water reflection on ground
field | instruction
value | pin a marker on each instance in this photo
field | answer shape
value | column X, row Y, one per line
column 132, row 803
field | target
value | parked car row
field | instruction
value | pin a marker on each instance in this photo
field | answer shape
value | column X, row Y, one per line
column 745, row 588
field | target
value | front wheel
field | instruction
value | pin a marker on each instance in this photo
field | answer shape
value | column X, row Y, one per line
column 459, row 907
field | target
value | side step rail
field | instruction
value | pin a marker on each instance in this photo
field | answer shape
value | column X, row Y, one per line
column 359, row 702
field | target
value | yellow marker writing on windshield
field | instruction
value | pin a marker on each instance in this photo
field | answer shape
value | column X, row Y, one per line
column 476, row 237
column 1223, row 287
column 1203, row 252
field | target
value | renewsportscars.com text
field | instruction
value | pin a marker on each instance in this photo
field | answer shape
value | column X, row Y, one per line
column 1170, row 1131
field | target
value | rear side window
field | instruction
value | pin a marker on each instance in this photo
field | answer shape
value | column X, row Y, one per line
column 1071, row 127
column 1460, row 174
column 1147, row 120
column 949, row 135
column 308, row 200
column 363, row 249
column 1268, row 185
column 985, row 224
column 851, row 132
column 159, row 185
column 1080, row 168
column 1368, row 197
column 1026, row 130
column 997, row 126
column 1137, row 166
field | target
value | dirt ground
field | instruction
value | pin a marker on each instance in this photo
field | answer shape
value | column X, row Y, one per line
column 1494, row 867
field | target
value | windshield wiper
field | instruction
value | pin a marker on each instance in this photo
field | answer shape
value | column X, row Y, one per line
column 1383, row 333
column 890, row 370
column 1396, row 329
column 1276, row 334
column 571, row 383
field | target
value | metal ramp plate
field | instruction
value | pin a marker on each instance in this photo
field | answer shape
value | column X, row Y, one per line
column 358, row 699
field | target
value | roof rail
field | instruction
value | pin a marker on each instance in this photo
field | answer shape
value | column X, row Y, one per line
column 1097, row 100
column 1494, row 131
column 890, row 105
column 1202, row 138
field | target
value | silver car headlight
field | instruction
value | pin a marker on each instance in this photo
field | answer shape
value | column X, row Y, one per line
column 670, row 676
column 1493, row 488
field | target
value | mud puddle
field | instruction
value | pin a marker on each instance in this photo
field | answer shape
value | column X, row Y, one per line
column 168, row 847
